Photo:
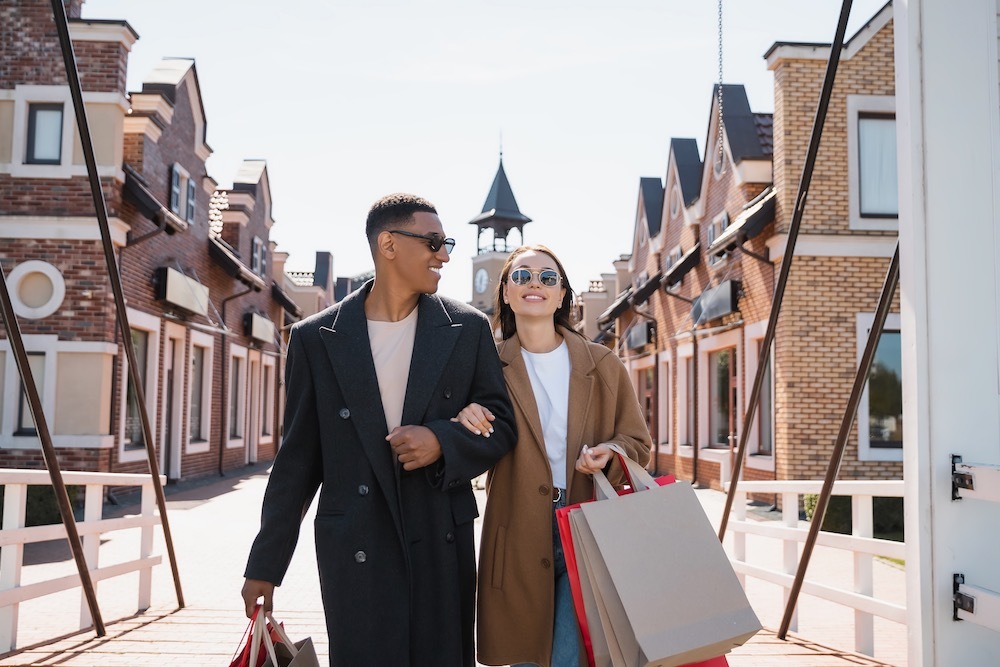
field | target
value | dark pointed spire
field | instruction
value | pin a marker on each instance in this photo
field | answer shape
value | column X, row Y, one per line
column 500, row 212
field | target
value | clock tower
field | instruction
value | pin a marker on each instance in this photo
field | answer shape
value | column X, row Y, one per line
column 499, row 216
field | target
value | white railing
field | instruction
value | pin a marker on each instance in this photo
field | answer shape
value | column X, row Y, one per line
column 861, row 543
column 15, row 535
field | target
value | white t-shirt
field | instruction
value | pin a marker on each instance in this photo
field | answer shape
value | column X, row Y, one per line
column 392, row 349
column 549, row 375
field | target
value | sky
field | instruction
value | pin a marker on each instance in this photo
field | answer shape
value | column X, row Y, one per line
column 349, row 100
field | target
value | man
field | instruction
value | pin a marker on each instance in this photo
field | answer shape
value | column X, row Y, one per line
column 372, row 384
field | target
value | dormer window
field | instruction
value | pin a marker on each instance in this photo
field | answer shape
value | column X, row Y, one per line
column 183, row 193
column 719, row 224
column 675, row 203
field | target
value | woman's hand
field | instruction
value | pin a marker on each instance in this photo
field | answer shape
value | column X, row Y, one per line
column 476, row 418
column 593, row 459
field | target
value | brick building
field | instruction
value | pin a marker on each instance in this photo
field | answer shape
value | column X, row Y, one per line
column 205, row 302
column 692, row 309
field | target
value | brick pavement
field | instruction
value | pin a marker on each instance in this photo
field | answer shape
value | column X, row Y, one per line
column 213, row 523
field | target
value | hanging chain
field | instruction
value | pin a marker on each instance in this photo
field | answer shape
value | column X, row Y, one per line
column 721, row 157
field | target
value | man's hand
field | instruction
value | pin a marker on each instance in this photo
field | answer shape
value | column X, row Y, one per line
column 414, row 446
column 255, row 588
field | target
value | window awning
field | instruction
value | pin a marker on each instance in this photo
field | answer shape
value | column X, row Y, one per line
column 646, row 290
column 687, row 262
column 224, row 257
column 282, row 297
column 617, row 308
column 140, row 195
column 606, row 332
column 748, row 224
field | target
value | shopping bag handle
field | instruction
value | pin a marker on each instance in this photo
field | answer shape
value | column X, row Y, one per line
column 639, row 477
column 261, row 636
column 282, row 635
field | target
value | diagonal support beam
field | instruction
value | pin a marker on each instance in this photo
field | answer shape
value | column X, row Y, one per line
column 76, row 92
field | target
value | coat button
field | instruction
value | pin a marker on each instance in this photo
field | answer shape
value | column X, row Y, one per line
column 361, row 557
column 344, row 413
column 450, row 537
column 546, row 563
column 363, row 490
column 447, row 393
column 544, row 490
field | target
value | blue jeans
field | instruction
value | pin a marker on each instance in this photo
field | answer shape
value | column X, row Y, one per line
column 565, row 633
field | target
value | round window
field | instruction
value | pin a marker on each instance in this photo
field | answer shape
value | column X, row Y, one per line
column 37, row 289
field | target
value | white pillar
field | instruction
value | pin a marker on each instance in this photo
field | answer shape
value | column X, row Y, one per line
column 948, row 122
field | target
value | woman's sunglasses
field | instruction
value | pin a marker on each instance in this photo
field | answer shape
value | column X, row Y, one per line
column 546, row 277
column 434, row 241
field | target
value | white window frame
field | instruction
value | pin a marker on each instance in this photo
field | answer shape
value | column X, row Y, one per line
column 685, row 443
column 753, row 334
column 151, row 325
column 22, row 271
column 675, row 198
column 866, row 452
column 179, row 178
column 857, row 106
column 664, row 423
column 24, row 97
column 236, row 352
column 258, row 256
column 267, row 395
column 206, row 342
column 715, row 230
column 707, row 346
column 10, row 392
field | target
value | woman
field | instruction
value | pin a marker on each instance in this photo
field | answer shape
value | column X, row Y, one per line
column 571, row 397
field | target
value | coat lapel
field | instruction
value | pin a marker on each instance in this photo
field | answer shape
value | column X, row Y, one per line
column 519, row 388
column 581, row 389
column 433, row 343
column 349, row 349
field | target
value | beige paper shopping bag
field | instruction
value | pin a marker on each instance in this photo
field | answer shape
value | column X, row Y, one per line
column 689, row 606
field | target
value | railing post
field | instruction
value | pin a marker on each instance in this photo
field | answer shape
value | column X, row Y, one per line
column 147, row 501
column 93, row 506
column 790, row 548
column 740, row 536
column 15, row 500
column 863, row 525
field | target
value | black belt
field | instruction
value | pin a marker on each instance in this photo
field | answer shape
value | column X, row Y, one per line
column 558, row 494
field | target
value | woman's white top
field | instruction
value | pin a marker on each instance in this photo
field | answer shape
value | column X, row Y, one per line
column 392, row 349
column 549, row 375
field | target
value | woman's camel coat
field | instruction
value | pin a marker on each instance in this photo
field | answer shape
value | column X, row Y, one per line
column 516, row 577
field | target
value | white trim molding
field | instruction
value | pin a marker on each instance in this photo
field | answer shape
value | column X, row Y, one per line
column 22, row 271
column 833, row 245
column 63, row 228
column 857, row 105
column 866, row 452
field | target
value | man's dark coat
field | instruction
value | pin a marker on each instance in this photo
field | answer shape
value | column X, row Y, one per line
column 395, row 548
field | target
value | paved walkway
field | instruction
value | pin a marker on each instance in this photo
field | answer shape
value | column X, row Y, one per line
column 213, row 523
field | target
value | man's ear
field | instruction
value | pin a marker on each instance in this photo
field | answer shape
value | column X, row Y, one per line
column 385, row 244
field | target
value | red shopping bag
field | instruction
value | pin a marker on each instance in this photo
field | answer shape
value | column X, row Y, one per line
column 242, row 657
column 572, row 568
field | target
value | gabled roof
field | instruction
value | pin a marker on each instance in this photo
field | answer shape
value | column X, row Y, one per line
column 500, row 210
column 688, row 161
column 651, row 190
column 821, row 50
column 749, row 137
column 166, row 78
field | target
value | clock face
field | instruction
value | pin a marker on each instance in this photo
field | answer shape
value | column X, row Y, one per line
column 482, row 281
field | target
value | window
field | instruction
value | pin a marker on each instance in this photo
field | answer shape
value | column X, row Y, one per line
column 133, row 426
column 722, row 397
column 175, row 190
column 675, row 203
column 236, row 371
column 885, row 394
column 258, row 258
column 45, row 127
column 765, row 409
column 715, row 230
column 191, row 200
column 195, row 421
column 877, row 187
column 647, row 397
column 267, row 401
column 692, row 396
column 25, row 423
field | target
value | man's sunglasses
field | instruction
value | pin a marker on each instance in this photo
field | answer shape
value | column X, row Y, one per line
column 434, row 241
column 546, row 277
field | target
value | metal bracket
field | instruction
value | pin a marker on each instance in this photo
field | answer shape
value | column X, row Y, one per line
column 978, row 481
column 960, row 600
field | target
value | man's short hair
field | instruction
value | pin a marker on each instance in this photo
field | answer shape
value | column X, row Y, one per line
column 392, row 211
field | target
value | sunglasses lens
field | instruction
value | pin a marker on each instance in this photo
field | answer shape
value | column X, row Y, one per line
column 520, row 277
column 449, row 245
column 548, row 278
